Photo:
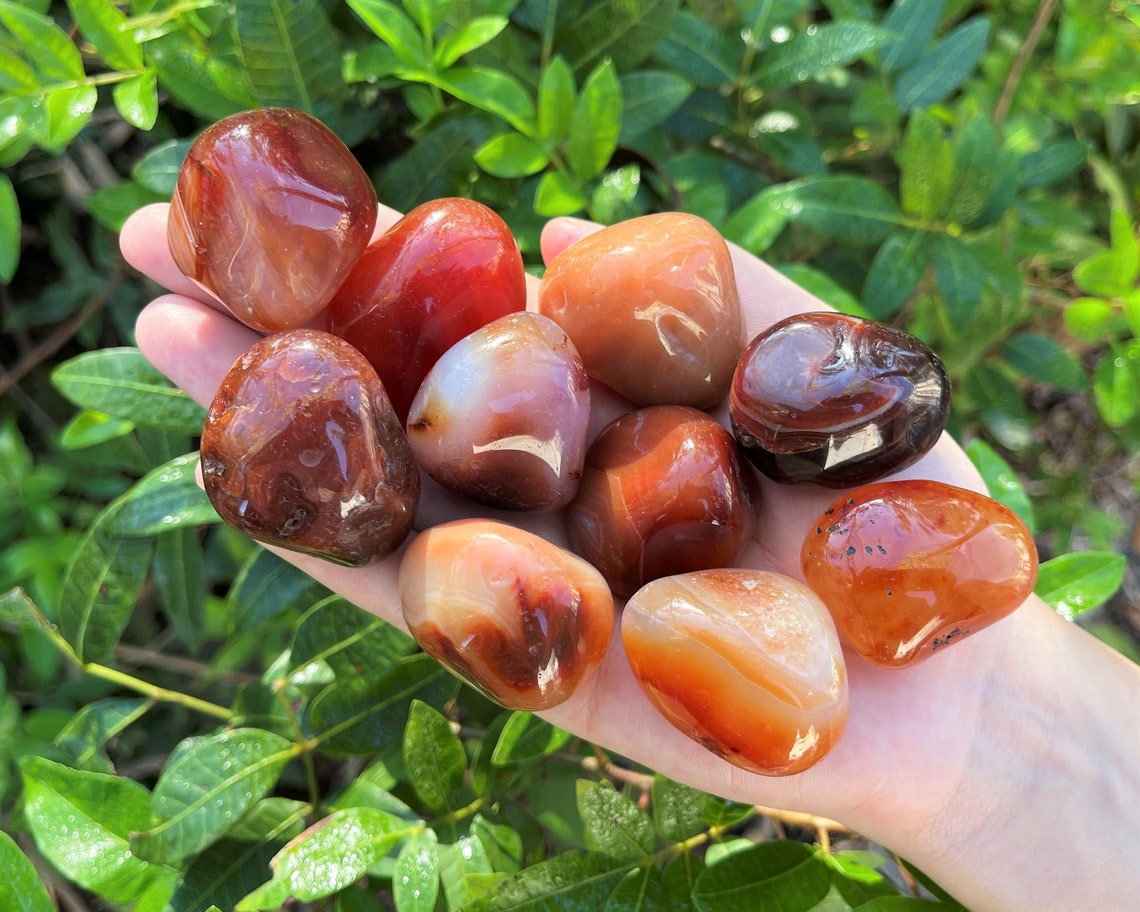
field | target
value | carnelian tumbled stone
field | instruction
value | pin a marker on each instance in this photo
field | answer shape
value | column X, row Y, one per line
column 662, row 493
column 652, row 306
column 908, row 568
column 746, row 662
column 836, row 400
column 513, row 615
column 301, row 449
column 270, row 213
column 447, row 268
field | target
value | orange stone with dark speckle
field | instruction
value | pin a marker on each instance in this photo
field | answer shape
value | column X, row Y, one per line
column 908, row 568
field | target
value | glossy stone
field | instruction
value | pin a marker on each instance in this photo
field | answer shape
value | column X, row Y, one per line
column 518, row 618
column 269, row 215
column 447, row 268
column 652, row 306
column 746, row 662
column 502, row 416
column 837, row 400
column 301, row 449
column 662, row 493
column 908, row 568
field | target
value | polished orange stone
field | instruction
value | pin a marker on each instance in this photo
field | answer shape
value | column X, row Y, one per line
column 662, row 492
column 270, row 213
column 513, row 615
column 652, row 306
column 746, row 662
column 908, row 568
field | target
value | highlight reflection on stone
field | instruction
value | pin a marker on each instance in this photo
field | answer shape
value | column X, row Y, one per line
column 301, row 449
column 662, row 493
column 502, row 416
column 270, row 213
column 447, row 268
column 837, row 400
column 908, row 568
column 652, row 306
column 746, row 662
column 518, row 618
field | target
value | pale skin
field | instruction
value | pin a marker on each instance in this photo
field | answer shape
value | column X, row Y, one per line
column 1007, row 767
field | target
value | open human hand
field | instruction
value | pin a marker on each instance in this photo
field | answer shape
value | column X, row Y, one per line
column 920, row 765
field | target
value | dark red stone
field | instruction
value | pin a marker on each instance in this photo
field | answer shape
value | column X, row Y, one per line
column 837, row 400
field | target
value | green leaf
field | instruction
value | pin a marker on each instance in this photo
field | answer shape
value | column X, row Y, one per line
column 158, row 169
column 642, row 891
column 181, row 580
column 21, row 889
column 90, row 428
column 615, row 198
column 556, row 91
column 472, row 35
column 959, row 275
column 943, row 67
column 846, row 208
column 809, row 53
column 415, row 884
column 1000, row 405
column 136, row 99
column 81, row 741
column 493, row 91
column 504, row 845
column 82, row 822
column 896, row 270
column 769, row 875
column 290, row 55
column 1052, row 163
column 111, row 205
column 756, row 225
column 197, row 77
column 429, row 14
column 20, row 611
column 100, row 588
column 435, row 165
column 1001, row 481
column 558, row 195
column 267, row 586
column 51, row 52
column 614, row 825
column 1112, row 273
column 926, row 167
column 466, row 873
column 221, row 875
column 824, row 287
column 526, row 737
column 9, row 230
column 165, row 499
column 68, row 110
column 388, row 22
column 625, row 33
column 1081, row 581
column 596, row 123
column 698, row 51
column 511, row 155
column 1089, row 318
column 105, row 26
column 330, row 855
column 433, row 757
column 1116, row 385
column 206, row 786
column 120, row 382
column 355, row 644
column 648, row 97
column 1042, row 358
column 678, row 810
column 364, row 718
column 16, row 75
column 570, row 882
column 913, row 23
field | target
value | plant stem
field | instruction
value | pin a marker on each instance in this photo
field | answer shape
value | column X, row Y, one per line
column 155, row 692
column 1017, row 68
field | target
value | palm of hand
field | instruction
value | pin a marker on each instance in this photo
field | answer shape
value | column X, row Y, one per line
column 907, row 744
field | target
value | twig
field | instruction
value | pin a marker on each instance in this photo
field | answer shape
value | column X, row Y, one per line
column 1021, row 61
column 193, row 668
column 59, row 336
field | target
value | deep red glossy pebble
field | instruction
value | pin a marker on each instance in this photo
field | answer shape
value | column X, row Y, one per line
column 446, row 269
column 836, row 400
column 908, row 568
column 662, row 493
column 301, row 449
column 270, row 213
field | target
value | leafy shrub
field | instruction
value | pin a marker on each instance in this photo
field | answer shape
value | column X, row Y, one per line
column 179, row 705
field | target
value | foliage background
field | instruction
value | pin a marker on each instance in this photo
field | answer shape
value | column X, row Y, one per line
column 176, row 705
